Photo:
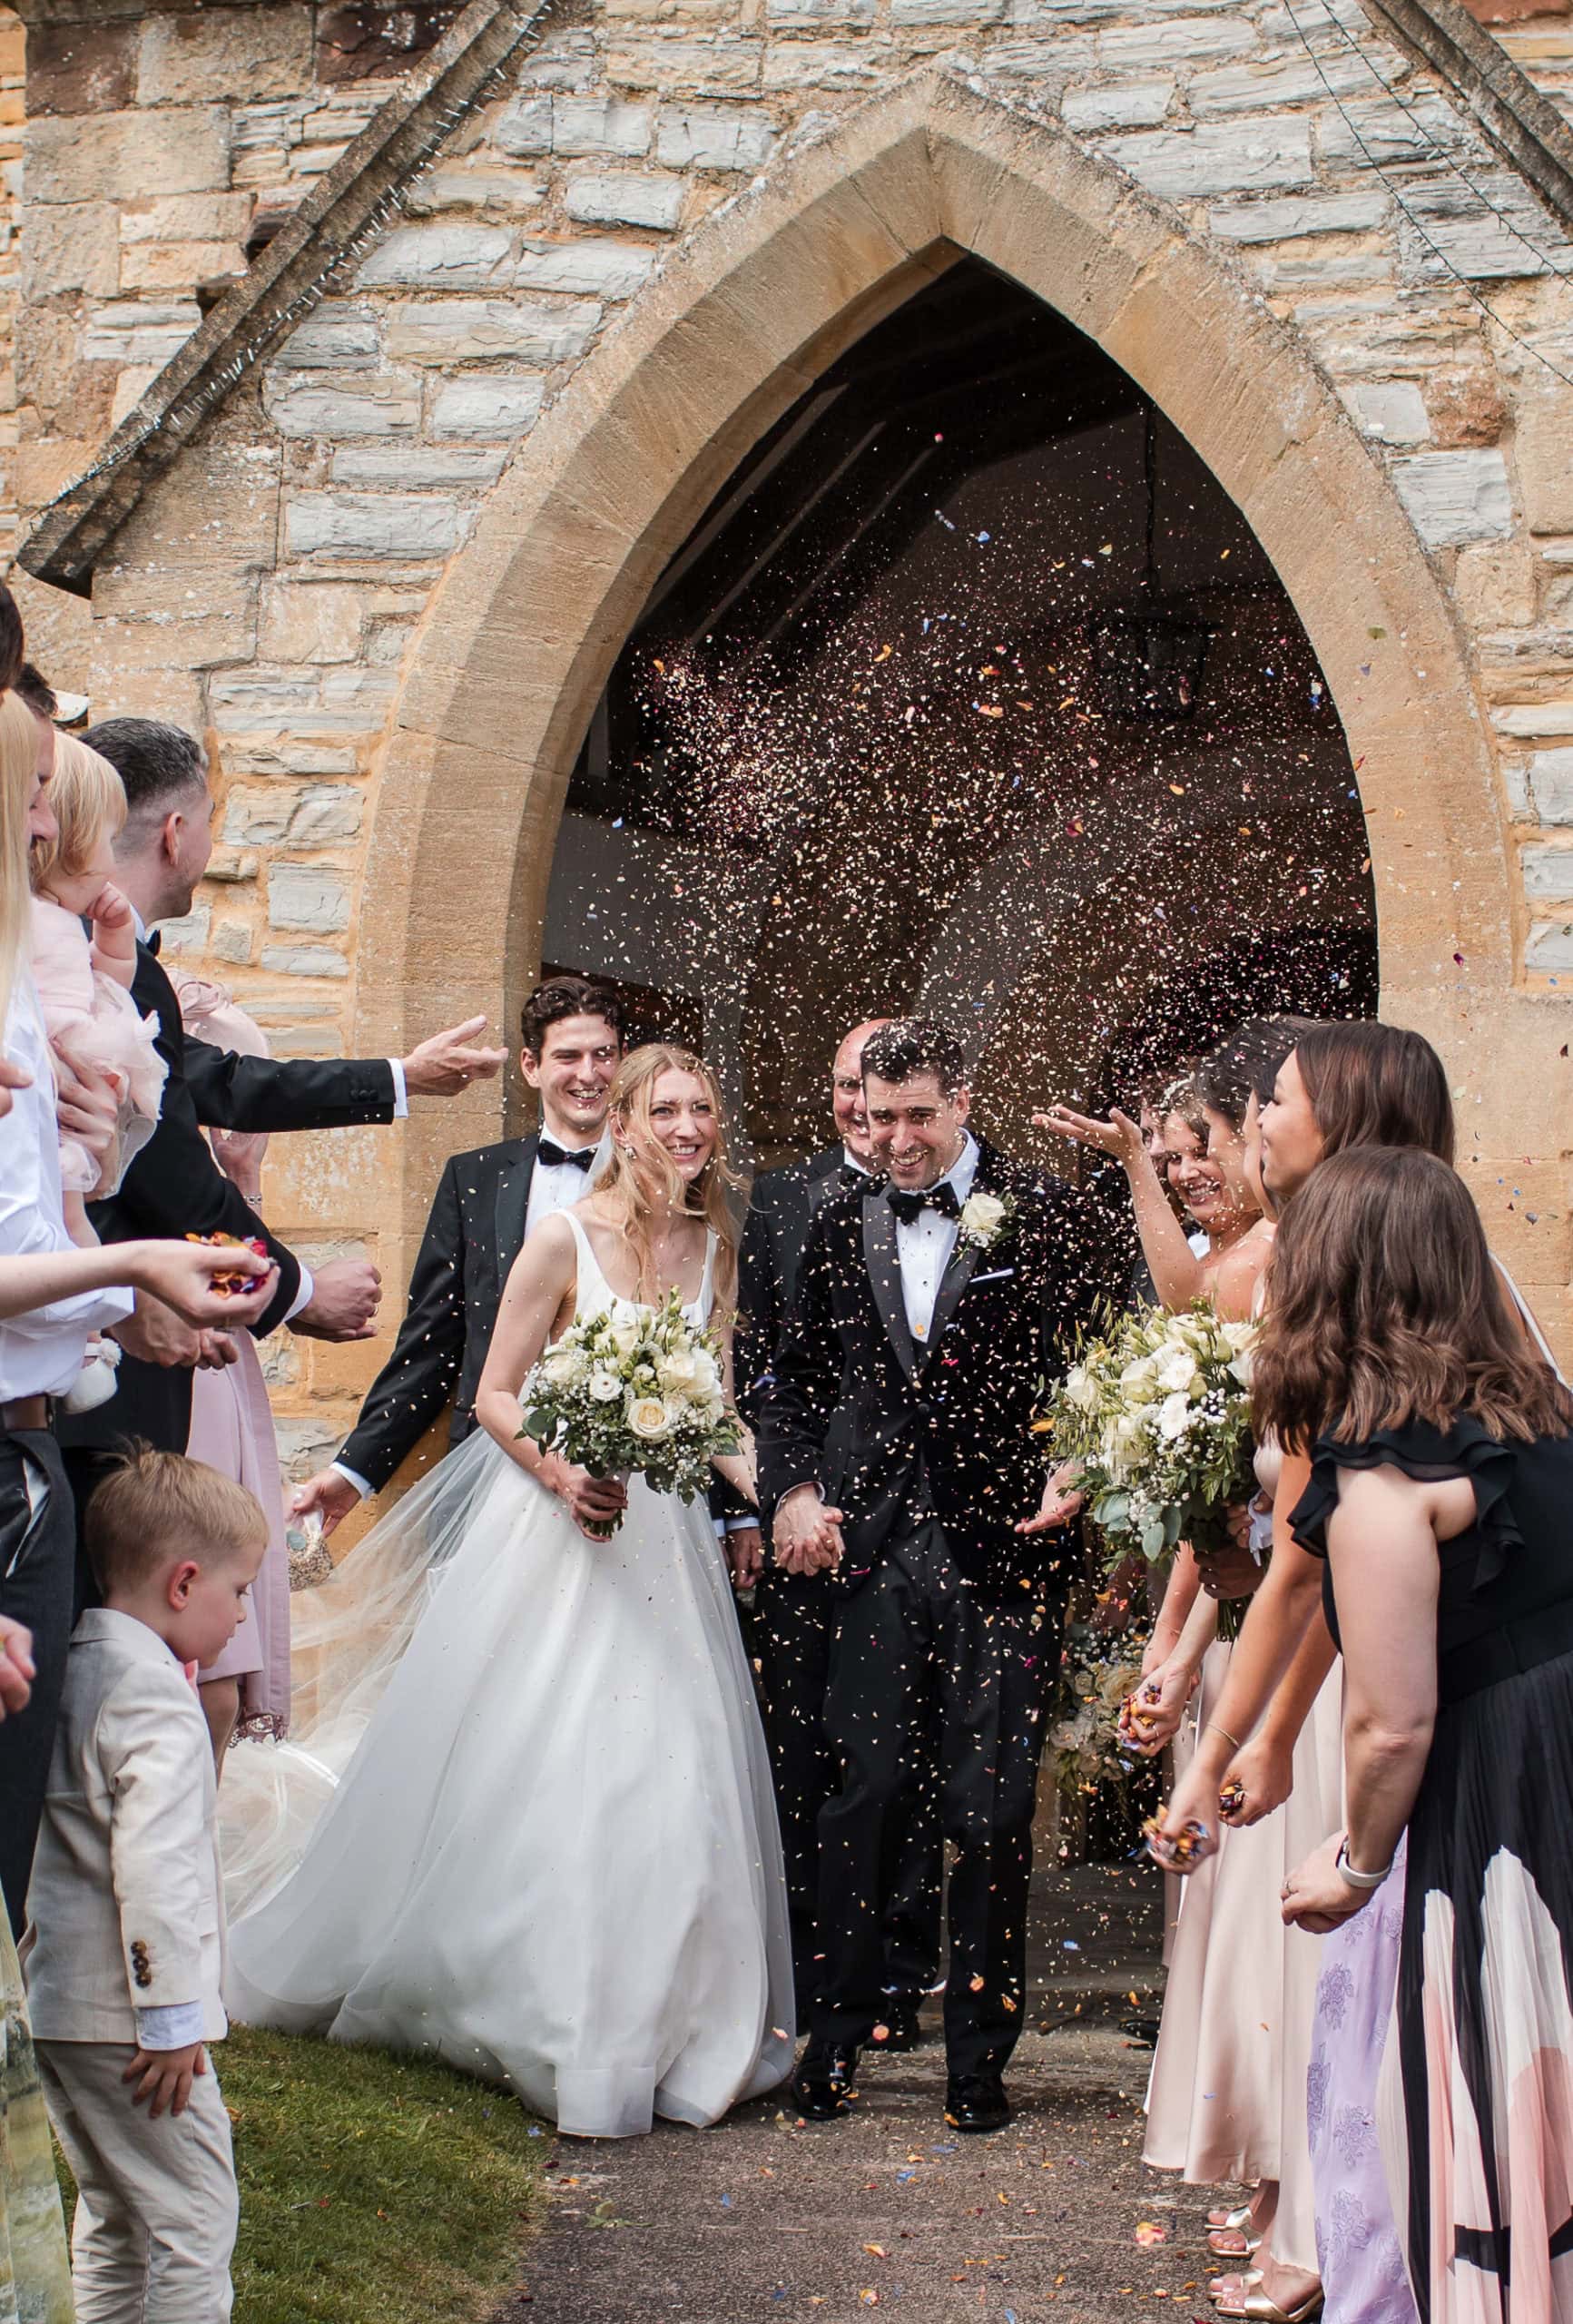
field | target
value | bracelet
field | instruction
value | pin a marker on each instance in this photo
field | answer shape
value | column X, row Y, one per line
column 1213, row 1728
column 1346, row 1871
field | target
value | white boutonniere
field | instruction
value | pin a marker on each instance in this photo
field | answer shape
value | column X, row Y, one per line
column 985, row 1220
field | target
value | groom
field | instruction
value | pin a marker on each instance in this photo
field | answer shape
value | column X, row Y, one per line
column 485, row 1203
column 895, row 1448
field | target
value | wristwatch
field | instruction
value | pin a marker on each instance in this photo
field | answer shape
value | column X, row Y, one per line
column 1346, row 1871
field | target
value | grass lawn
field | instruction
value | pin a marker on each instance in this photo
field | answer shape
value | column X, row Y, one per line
column 374, row 2190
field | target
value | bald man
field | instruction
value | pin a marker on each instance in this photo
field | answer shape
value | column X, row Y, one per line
column 795, row 1612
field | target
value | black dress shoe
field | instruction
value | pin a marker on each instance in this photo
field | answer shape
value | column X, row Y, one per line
column 823, row 2085
column 903, row 2029
column 976, row 2102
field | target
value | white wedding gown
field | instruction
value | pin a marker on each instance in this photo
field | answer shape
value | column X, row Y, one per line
column 552, row 1856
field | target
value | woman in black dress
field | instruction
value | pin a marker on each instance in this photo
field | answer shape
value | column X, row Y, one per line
column 1441, row 1497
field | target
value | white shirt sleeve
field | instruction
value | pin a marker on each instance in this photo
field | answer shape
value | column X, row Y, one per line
column 400, row 1092
column 353, row 1477
column 304, row 1294
column 173, row 2026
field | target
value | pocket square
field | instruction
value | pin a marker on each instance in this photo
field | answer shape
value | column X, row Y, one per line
column 998, row 1275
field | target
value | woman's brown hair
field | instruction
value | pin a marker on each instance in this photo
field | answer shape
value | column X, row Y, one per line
column 1375, row 1084
column 1387, row 1307
column 640, row 1175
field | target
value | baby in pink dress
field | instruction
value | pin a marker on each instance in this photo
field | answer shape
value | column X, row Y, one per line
column 84, row 983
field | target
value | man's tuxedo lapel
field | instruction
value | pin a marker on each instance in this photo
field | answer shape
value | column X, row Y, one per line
column 824, row 1179
column 963, row 1260
column 884, row 1267
column 512, row 1208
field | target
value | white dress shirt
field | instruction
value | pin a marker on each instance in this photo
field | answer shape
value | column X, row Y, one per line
column 41, row 1353
column 560, row 1185
column 923, row 1248
column 557, row 1187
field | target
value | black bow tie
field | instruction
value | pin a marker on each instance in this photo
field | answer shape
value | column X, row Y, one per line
column 549, row 1154
column 155, row 943
column 908, row 1207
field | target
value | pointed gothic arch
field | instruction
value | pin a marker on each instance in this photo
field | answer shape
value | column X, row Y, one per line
column 516, row 647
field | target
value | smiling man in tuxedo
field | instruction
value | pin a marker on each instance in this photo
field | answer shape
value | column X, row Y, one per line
column 896, row 1452
column 486, row 1202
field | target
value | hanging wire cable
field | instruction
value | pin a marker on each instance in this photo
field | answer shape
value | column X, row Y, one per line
column 1371, row 162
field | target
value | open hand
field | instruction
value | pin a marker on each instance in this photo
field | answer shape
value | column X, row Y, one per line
column 1119, row 1135
column 1061, row 1501
column 165, row 2076
column 449, row 1061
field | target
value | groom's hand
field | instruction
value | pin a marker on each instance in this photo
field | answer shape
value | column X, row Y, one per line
column 343, row 1302
column 1059, row 1504
column 806, row 1534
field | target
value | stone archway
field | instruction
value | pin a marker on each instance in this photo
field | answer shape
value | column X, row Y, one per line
column 517, row 646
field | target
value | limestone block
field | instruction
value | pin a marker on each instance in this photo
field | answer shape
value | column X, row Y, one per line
column 598, row 269
column 312, row 621
column 1466, row 407
column 305, row 960
column 289, row 759
column 1548, row 875
column 1267, row 82
column 438, row 253
column 1547, row 780
column 466, row 188
column 1218, row 158
column 307, row 897
column 178, row 266
column 1487, row 230
column 370, row 524
column 499, row 403
column 429, row 467
column 1455, row 496
column 1543, row 453
column 625, row 201
column 1393, row 411
column 44, row 466
column 1285, row 219
column 188, row 218
column 233, row 941
column 234, row 52
column 469, row 330
column 1365, row 130
column 1549, row 948
column 233, row 867
column 1532, row 721
column 180, row 148
column 75, row 68
column 334, row 337
column 714, row 66
column 326, row 815
column 713, row 138
column 946, row 12
column 1162, row 42
column 1494, row 585
column 69, row 246
column 575, row 126
column 793, row 15
column 820, row 64
column 1127, row 104
column 258, row 818
column 139, row 330
column 1052, row 60
column 385, row 404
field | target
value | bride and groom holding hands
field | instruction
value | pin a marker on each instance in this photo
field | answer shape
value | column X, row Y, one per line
column 550, row 1850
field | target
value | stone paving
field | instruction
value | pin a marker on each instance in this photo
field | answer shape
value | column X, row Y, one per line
column 767, row 2219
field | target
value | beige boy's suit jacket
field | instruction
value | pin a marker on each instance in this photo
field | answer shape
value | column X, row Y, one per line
column 125, row 1911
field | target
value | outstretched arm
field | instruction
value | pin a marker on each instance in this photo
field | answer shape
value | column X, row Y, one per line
column 1176, row 1271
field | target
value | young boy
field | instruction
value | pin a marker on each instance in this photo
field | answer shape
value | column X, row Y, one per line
column 125, row 1950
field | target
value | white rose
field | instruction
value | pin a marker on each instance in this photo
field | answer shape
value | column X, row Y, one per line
column 1138, row 1378
column 1081, row 1389
column 1173, row 1417
column 564, row 1367
column 983, row 1216
column 1176, row 1370
column 624, row 1333
column 650, row 1418
column 604, row 1385
column 706, row 1378
column 679, row 1372
column 1238, row 1337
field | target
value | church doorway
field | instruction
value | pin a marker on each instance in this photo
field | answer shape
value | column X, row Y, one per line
column 971, row 692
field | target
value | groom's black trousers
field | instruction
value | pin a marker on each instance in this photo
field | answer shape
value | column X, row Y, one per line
column 916, row 1654
column 795, row 1615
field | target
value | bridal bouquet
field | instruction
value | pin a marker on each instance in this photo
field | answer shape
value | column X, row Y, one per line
column 1155, row 1418
column 635, row 1389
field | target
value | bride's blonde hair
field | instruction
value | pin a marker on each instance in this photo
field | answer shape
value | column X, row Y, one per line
column 639, row 1177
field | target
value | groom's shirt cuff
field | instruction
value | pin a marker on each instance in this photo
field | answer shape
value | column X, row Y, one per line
column 305, row 1292
column 352, row 1477
column 400, row 1089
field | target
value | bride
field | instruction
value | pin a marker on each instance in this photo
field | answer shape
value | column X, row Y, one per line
column 525, row 1820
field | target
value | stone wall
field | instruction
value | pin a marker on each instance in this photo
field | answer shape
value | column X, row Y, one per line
column 273, row 590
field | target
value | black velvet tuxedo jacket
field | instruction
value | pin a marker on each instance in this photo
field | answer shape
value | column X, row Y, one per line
column 174, row 1186
column 893, row 1433
column 472, row 1239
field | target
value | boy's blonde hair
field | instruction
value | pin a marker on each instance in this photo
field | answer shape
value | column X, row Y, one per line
column 88, row 799
column 155, row 1506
